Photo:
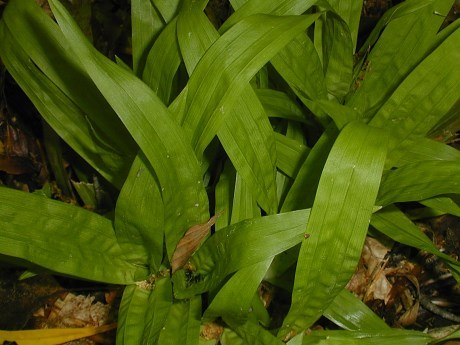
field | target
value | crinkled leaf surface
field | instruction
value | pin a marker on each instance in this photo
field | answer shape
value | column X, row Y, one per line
column 38, row 230
column 423, row 98
column 151, row 125
column 338, row 223
column 240, row 245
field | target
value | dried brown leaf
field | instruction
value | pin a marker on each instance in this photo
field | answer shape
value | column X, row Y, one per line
column 190, row 242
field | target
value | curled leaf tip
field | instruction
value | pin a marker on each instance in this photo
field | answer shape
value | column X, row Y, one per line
column 190, row 242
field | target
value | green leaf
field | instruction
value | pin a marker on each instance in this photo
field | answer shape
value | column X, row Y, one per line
column 279, row 104
column 290, row 153
column 167, row 8
column 227, row 67
column 337, row 53
column 277, row 8
column 151, row 125
column 38, row 230
column 238, row 246
column 195, row 34
column 411, row 30
column 231, row 302
column 419, row 181
column 162, row 63
column 254, row 334
column 146, row 23
column 338, row 224
column 421, row 149
column 393, row 223
column 300, row 66
column 182, row 323
column 51, row 53
column 423, row 98
column 139, row 215
column 383, row 337
column 229, row 337
column 347, row 311
column 64, row 116
column 303, row 190
column 444, row 204
column 248, row 139
column 224, row 195
column 245, row 133
column 159, row 305
column 350, row 12
column 133, row 307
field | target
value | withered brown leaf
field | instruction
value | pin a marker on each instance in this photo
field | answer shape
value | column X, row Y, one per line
column 190, row 242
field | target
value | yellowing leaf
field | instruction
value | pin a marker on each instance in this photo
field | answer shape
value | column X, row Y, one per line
column 52, row 336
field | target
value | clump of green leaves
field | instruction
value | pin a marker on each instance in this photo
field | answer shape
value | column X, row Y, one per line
column 260, row 88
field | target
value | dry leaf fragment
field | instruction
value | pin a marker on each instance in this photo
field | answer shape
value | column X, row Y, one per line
column 190, row 242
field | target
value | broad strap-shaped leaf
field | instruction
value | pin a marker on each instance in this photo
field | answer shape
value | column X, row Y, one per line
column 300, row 66
column 248, row 139
column 167, row 8
column 254, row 334
column 419, row 181
column 443, row 204
column 350, row 12
column 377, row 337
column 349, row 312
column 227, row 67
column 139, row 215
column 231, row 302
column 224, row 193
column 400, row 47
column 146, row 24
column 339, row 113
column 246, row 133
column 277, row 8
column 159, row 305
column 291, row 154
column 394, row 224
column 38, row 230
column 303, row 190
column 338, row 223
column 51, row 336
column 337, row 55
column 162, row 63
column 421, row 149
column 237, row 246
column 153, row 128
column 148, row 302
column 133, row 307
column 425, row 96
column 279, row 104
column 229, row 337
column 64, row 116
column 182, row 324
column 45, row 45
